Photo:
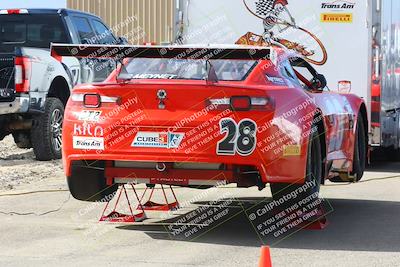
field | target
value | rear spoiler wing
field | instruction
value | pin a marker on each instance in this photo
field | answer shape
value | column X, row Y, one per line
column 177, row 52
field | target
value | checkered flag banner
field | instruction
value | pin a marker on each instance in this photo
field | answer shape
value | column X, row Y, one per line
column 264, row 7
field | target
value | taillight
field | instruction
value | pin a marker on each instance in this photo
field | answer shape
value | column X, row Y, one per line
column 22, row 74
column 13, row 11
column 91, row 100
column 242, row 103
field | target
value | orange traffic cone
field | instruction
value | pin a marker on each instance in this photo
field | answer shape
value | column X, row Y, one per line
column 265, row 259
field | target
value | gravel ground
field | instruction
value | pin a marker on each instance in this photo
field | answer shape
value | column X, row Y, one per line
column 18, row 166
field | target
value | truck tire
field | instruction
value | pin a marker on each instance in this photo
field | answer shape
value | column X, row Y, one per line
column 360, row 150
column 313, row 174
column 88, row 183
column 46, row 133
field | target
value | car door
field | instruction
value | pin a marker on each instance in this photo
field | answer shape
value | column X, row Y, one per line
column 104, row 36
column 336, row 109
column 93, row 69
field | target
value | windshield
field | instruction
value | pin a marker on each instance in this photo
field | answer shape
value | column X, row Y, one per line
column 186, row 69
column 30, row 31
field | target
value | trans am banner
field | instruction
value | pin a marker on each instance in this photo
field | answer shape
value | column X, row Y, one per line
column 333, row 35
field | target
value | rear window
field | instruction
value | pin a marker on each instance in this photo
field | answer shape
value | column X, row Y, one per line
column 186, row 69
column 31, row 31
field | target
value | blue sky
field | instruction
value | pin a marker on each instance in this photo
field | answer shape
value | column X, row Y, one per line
column 32, row 3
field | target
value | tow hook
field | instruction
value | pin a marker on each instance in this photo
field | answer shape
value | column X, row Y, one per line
column 161, row 167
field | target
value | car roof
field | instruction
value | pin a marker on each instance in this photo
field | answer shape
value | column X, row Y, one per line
column 64, row 11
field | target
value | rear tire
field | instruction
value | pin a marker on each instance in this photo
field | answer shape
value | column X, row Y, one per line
column 47, row 131
column 88, row 183
column 313, row 174
column 360, row 150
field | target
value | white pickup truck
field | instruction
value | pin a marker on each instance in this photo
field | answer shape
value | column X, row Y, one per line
column 34, row 87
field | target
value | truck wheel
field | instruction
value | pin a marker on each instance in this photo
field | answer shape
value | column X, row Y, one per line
column 88, row 183
column 313, row 175
column 46, row 132
column 360, row 150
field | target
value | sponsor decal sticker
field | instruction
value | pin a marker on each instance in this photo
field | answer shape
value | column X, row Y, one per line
column 338, row 11
column 167, row 140
column 88, row 115
column 276, row 80
column 175, row 139
column 337, row 17
column 87, row 129
column 339, row 4
column 154, row 76
column 292, row 150
column 87, row 136
column 88, row 143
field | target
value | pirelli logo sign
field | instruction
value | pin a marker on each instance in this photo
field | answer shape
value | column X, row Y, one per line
column 337, row 17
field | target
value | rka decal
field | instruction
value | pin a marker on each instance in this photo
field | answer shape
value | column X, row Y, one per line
column 87, row 129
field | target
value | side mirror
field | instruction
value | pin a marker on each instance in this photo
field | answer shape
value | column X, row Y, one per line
column 319, row 82
column 122, row 40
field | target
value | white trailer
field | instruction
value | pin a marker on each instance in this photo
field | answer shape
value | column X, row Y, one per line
column 354, row 43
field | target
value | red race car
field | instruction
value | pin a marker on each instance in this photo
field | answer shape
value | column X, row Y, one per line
column 206, row 116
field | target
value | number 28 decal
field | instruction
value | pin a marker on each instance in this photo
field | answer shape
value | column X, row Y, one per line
column 239, row 137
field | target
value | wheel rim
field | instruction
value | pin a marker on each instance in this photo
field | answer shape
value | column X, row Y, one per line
column 56, row 129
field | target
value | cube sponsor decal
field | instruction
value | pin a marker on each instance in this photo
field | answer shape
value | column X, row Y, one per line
column 158, row 140
column 88, row 143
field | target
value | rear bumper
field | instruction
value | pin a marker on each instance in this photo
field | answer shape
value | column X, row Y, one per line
column 178, row 177
column 19, row 105
column 117, row 170
column 269, row 172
